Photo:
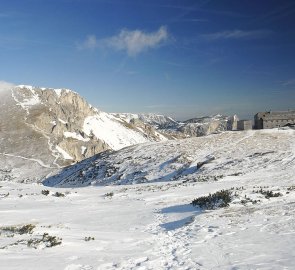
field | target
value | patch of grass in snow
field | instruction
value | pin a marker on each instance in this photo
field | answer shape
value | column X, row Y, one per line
column 291, row 188
column 269, row 193
column 11, row 230
column 216, row 200
column 247, row 199
column 44, row 240
column 47, row 240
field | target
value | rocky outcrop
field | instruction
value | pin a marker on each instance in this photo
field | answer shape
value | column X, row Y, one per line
column 58, row 116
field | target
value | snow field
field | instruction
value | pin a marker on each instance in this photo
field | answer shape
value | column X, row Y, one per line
column 153, row 225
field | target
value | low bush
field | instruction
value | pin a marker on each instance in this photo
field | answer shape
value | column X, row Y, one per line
column 88, row 238
column 218, row 199
column 269, row 193
column 45, row 192
column 58, row 194
column 47, row 240
column 109, row 195
column 25, row 229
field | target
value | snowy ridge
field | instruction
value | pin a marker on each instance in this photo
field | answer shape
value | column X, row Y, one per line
column 188, row 160
column 26, row 101
column 58, row 91
column 156, row 120
column 195, row 127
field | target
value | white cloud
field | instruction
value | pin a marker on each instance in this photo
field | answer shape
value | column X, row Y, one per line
column 133, row 42
column 90, row 42
column 6, row 85
column 237, row 34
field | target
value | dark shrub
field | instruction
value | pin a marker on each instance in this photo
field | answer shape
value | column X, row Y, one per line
column 218, row 199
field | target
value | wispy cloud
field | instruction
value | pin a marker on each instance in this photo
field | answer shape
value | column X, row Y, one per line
column 133, row 42
column 288, row 82
column 90, row 43
column 236, row 34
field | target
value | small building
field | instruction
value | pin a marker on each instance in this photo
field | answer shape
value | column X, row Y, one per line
column 274, row 119
column 244, row 124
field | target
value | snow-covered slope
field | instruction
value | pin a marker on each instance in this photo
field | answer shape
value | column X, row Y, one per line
column 193, row 159
column 113, row 133
column 153, row 225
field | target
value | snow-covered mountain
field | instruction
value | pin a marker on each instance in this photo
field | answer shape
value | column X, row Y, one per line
column 194, row 127
column 203, row 126
column 44, row 128
column 194, row 159
column 158, row 121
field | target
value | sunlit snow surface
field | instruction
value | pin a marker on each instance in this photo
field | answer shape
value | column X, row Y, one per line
column 153, row 225
column 108, row 129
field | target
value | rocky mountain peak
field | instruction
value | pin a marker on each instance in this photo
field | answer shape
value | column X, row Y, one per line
column 50, row 128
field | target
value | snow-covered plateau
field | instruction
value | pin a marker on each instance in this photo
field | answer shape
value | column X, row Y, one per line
column 132, row 209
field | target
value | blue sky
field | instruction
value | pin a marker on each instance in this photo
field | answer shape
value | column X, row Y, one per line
column 184, row 58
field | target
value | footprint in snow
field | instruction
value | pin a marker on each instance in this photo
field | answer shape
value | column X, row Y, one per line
column 78, row 267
